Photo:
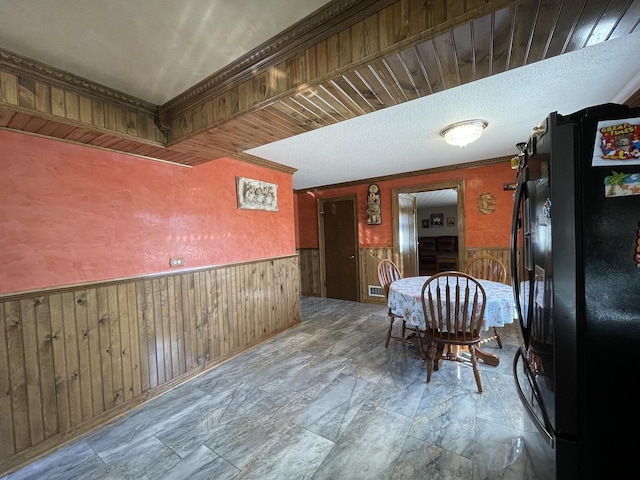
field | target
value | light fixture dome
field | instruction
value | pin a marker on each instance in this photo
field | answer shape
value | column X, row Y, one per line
column 463, row 133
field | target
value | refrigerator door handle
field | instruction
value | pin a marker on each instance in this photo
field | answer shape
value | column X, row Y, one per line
column 541, row 424
column 515, row 277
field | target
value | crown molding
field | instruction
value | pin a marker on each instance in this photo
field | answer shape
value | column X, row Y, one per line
column 245, row 157
column 320, row 25
column 446, row 168
column 40, row 72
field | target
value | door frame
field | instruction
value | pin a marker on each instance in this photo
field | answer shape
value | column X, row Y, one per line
column 426, row 187
column 321, row 242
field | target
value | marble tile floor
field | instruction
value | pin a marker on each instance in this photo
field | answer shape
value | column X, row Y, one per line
column 323, row 400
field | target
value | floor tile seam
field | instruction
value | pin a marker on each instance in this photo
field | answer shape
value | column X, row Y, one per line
column 441, row 448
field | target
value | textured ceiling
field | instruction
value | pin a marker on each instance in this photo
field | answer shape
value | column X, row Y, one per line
column 155, row 49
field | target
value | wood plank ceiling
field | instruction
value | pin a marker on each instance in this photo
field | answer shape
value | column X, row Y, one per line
column 350, row 59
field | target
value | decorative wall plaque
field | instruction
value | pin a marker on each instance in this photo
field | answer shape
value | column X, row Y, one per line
column 374, row 213
column 486, row 203
column 257, row 195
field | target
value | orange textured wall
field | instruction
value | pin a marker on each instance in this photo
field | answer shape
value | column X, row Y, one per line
column 481, row 230
column 71, row 214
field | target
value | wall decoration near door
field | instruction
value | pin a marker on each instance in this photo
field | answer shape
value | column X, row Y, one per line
column 437, row 220
column 374, row 216
column 425, row 223
column 486, row 203
column 256, row 194
column 451, row 221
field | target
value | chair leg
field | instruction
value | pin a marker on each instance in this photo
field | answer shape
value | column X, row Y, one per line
column 386, row 342
column 423, row 354
column 498, row 337
column 431, row 359
column 476, row 370
column 404, row 328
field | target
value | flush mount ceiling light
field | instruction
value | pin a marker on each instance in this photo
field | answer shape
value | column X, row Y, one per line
column 463, row 133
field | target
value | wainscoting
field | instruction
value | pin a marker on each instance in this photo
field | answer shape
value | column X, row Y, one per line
column 74, row 358
column 369, row 258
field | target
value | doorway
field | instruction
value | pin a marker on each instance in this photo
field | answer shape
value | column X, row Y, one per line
column 403, row 243
column 337, row 224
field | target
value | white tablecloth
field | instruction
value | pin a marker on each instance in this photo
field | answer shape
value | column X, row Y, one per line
column 404, row 300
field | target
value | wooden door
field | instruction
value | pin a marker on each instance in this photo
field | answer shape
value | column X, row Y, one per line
column 408, row 234
column 339, row 247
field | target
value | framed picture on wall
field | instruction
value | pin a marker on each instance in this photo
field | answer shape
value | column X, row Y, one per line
column 425, row 223
column 437, row 220
column 451, row 221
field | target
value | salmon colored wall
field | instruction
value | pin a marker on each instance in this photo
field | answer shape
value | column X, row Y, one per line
column 481, row 230
column 71, row 214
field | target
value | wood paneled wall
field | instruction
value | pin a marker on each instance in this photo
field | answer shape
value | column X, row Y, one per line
column 369, row 258
column 309, row 272
column 74, row 358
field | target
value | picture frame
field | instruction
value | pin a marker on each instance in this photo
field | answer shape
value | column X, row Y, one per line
column 425, row 223
column 451, row 221
column 256, row 194
column 437, row 220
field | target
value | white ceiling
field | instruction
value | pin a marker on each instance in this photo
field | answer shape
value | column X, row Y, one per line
column 156, row 49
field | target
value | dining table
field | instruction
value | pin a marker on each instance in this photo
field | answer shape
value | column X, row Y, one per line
column 405, row 300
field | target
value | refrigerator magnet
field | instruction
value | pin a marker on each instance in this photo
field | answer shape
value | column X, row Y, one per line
column 620, row 184
column 617, row 143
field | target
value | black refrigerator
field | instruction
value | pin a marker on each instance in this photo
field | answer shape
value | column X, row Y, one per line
column 575, row 258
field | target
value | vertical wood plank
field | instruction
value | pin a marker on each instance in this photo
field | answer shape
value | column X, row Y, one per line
column 85, row 111
column 59, row 363
column 221, row 281
column 104, row 329
column 17, row 375
column 418, row 14
column 8, row 88
column 97, row 113
column 87, row 305
column 159, row 300
column 7, row 447
column 72, row 106
column 71, row 359
column 365, row 38
column 47, row 375
column 34, row 394
column 165, row 295
column 147, row 355
column 27, row 93
column 57, row 102
column 232, row 290
column 132, row 123
column 199, row 315
column 115, row 349
column 125, row 341
column 43, row 97
column 208, row 298
column 214, row 324
column 134, row 340
column 190, row 349
column 76, row 301
column 180, row 364
column 173, row 326
column 252, row 303
column 241, row 295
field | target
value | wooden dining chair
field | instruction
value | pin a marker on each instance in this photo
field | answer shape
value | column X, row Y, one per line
column 453, row 304
column 388, row 272
column 488, row 268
